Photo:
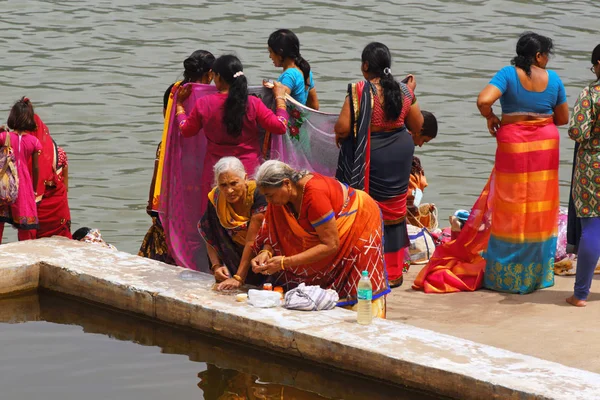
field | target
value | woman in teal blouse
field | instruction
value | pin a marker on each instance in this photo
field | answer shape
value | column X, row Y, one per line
column 284, row 51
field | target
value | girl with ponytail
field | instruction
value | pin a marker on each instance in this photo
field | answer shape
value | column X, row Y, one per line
column 197, row 68
column 231, row 118
column 284, row 51
column 377, row 148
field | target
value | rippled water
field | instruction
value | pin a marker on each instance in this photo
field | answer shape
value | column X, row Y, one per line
column 96, row 71
column 69, row 350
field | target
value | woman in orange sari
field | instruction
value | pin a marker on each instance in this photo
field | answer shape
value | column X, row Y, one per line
column 509, row 241
column 320, row 232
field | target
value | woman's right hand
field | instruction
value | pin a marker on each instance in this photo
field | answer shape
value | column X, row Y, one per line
column 411, row 82
column 278, row 90
column 221, row 274
column 339, row 140
column 493, row 123
column 260, row 261
column 183, row 93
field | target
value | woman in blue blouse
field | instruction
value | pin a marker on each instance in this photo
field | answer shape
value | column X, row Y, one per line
column 509, row 241
column 284, row 51
column 524, row 184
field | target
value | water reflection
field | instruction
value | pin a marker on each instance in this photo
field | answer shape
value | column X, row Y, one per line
column 226, row 384
column 231, row 372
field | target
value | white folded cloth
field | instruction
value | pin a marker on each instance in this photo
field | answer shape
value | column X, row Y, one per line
column 310, row 298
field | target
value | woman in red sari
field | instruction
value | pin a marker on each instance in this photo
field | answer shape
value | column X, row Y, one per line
column 320, row 232
column 377, row 148
column 52, row 192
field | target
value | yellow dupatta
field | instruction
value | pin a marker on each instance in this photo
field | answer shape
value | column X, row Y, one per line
column 229, row 219
column 163, row 145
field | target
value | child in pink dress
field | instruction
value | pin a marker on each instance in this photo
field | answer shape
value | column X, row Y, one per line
column 23, row 213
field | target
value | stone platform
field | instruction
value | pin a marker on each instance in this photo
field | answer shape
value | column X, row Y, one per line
column 540, row 324
column 390, row 350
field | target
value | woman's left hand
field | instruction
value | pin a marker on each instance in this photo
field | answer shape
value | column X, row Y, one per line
column 270, row 267
column 229, row 284
column 183, row 93
column 221, row 273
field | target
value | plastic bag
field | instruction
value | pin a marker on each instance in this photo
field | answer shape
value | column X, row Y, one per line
column 422, row 244
column 264, row 298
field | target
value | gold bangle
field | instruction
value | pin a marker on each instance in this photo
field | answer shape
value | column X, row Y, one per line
column 282, row 266
column 212, row 268
column 267, row 251
column 280, row 98
column 238, row 278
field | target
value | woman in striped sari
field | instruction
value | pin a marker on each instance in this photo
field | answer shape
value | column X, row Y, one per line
column 508, row 243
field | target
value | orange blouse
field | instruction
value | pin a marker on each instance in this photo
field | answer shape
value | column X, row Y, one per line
column 322, row 201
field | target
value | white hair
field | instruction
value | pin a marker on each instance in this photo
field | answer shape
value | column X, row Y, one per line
column 229, row 164
column 273, row 172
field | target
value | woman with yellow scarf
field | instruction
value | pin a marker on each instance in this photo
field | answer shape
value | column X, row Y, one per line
column 230, row 224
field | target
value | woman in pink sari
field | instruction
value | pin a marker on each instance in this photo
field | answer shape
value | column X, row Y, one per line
column 22, row 213
column 231, row 118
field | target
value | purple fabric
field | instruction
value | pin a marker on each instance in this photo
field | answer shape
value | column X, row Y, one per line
column 181, row 205
column 310, row 141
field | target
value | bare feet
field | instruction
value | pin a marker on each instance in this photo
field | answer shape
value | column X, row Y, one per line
column 574, row 301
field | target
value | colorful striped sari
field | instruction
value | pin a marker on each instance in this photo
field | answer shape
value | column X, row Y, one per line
column 508, row 243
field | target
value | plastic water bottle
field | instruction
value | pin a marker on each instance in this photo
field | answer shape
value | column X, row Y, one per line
column 365, row 298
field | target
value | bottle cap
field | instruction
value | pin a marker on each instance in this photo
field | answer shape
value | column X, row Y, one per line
column 365, row 273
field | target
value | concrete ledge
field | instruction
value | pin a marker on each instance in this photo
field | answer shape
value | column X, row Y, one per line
column 388, row 350
column 15, row 279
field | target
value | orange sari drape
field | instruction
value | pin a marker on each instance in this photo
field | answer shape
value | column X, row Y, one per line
column 361, row 248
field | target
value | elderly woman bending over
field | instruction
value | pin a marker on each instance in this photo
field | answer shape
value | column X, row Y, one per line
column 232, row 219
column 320, row 232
